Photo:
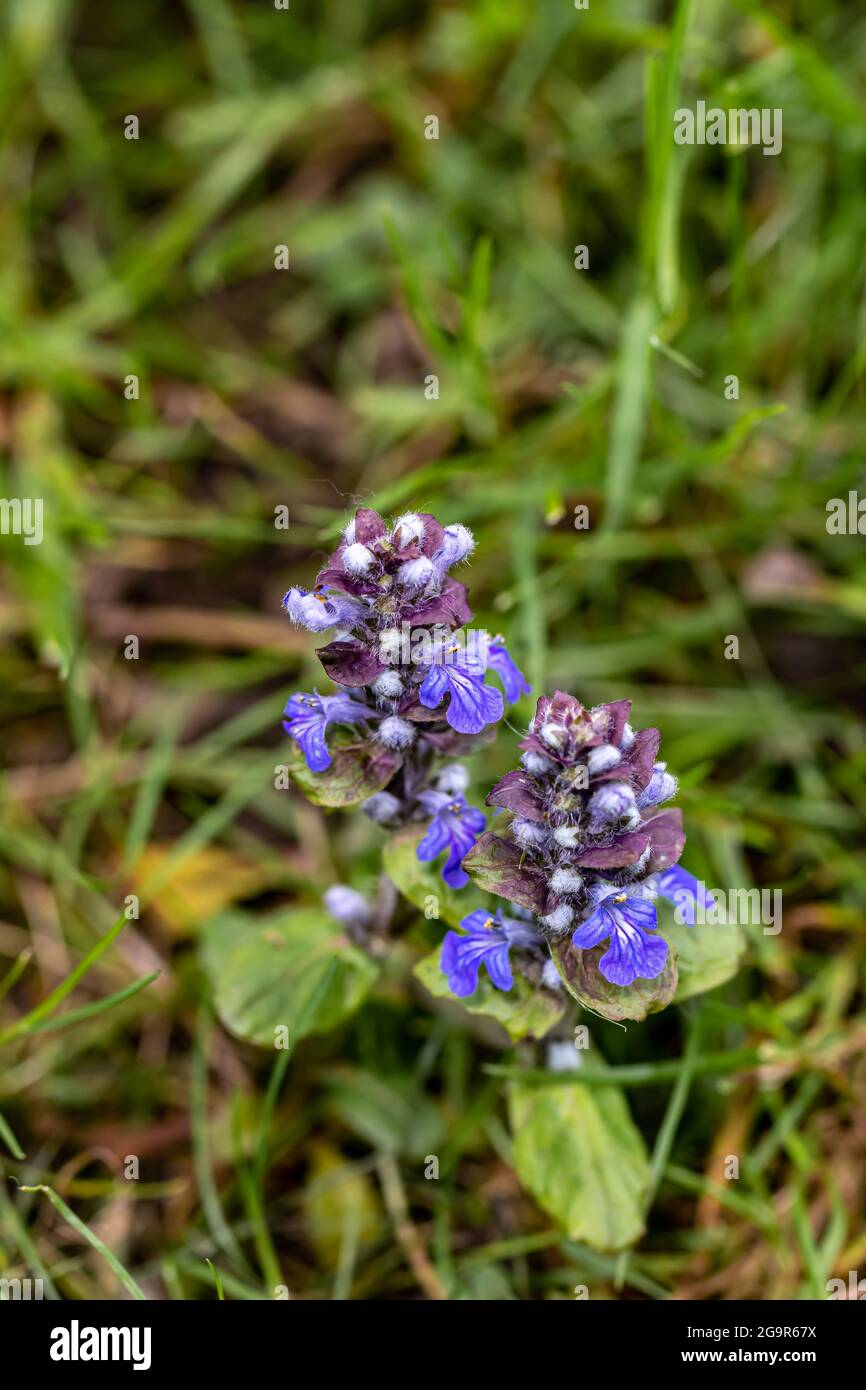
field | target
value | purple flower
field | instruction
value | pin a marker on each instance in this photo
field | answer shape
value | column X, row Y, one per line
column 487, row 940
column 626, row 920
column 455, row 827
column 321, row 609
column 473, row 704
column 682, row 888
column 513, row 680
column 309, row 717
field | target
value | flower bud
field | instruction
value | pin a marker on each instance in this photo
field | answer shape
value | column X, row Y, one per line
column 381, row 807
column 537, row 764
column 416, row 574
column 528, row 833
column 456, row 545
column 391, row 646
column 603, row 758
column 559, row 920
column 395, row 732
column 357, row 559
column 347, row 906
column 566, row 882
column 407, row 528
column 613, row 806
column 661, row 787
column 554, row 735
column 388, row 686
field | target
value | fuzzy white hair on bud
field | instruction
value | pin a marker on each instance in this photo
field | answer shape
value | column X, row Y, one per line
column 388, row 685
column 566, row 882
column 613, row 804
column 647, row 889
column 537, row 764
column 461, row 542
column 407, row 528
column 567, row 836
column 560, row 919
column 390, row 645
column 627, row 739
column 528, row 833
column 349, row 532
column 554, row 735
column 395, row 732
column 602, row 759
column 661, row 787
column 416, row 574
column 357, row 559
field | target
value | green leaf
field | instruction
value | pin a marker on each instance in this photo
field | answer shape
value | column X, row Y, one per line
column 294, row 969
column 582, row 978
column 707, row 955
column 500, row 867
column 421, row 883
column 578, row 1152
column 356, row 772
column 524, row 1010
column 78, row 1225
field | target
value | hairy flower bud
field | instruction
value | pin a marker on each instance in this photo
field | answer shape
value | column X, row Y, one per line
column 388, row 686
column 416, row 574
column 527, row 832
column 395, row 732
column 602, row 759
column 357, row 559
column 613, row 805
column 347, row 906
column 566, row 882
column 554, row 735
column 560, row 919
column 537, row 764
column 661, row 787
column 457, row 543
column 407, row 528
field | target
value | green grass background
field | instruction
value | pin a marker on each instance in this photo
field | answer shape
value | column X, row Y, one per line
column 304, row 389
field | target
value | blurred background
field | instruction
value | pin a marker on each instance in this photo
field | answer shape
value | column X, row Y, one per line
column 166, row 390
